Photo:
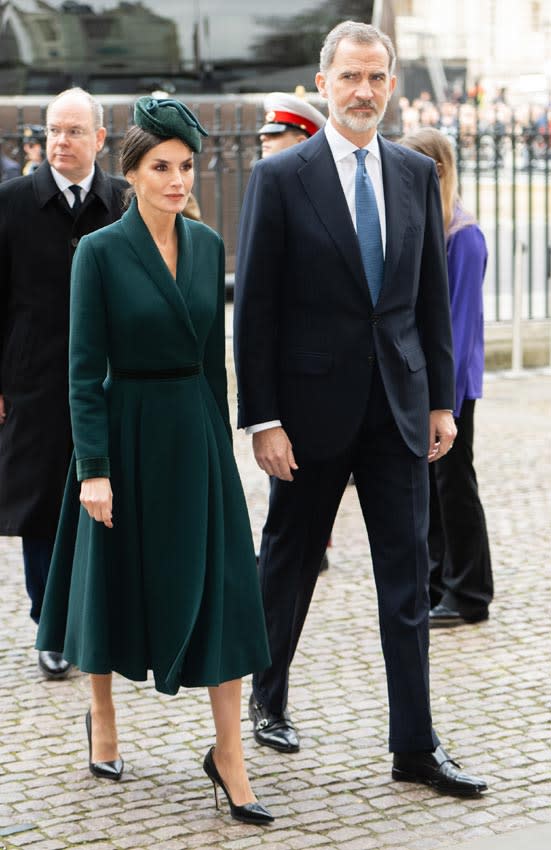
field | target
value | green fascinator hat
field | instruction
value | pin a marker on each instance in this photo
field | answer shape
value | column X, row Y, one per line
column 169, row 119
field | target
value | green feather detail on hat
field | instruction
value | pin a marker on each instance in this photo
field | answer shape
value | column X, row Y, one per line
column 169, row 118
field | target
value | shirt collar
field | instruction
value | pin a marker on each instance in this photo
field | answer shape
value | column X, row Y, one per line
column 63, row 183
column 341, row 147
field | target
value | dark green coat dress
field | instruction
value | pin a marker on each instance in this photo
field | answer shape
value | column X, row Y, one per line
column 173, row 586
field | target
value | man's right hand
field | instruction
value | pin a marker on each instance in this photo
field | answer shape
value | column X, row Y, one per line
column 274, row 453
column 2, row 410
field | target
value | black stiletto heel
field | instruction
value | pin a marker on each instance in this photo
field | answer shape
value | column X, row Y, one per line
column 103, row 769
column 249, row 812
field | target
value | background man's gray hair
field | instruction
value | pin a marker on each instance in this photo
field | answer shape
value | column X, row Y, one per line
column 95, row 106
column 359, row 33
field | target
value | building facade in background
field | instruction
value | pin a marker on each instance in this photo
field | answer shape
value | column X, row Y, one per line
column 237, row 46
column 504, row 46
column 196, row 46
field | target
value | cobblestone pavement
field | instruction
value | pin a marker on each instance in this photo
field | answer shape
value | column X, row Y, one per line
column 490, row 685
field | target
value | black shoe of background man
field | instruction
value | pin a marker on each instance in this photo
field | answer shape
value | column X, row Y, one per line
column 442, row 617
column 53, row 665
column 439, row 771
column 273, row 730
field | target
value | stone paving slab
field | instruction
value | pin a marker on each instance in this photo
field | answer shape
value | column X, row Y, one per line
column 490, row 685
column 532, row 838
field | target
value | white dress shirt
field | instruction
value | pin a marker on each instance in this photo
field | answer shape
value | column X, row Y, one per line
column 345, row 160
column 343, row 154
column 63, row 185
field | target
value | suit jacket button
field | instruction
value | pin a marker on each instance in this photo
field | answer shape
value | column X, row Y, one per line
column 74, row 241
column 371, row 359
column 375, row 320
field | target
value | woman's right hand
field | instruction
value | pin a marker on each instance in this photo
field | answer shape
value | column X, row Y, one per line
column 96, row 497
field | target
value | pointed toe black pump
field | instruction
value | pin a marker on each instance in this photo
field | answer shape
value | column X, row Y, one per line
column 248, row 813
column 103, row 769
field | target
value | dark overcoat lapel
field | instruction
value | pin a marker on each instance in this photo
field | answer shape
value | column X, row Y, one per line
column 143, row 245
column 45, row 189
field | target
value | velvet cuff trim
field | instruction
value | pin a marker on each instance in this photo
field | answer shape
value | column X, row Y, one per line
column 93, row 467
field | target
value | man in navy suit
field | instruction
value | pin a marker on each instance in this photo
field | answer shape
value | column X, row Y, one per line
column 343, row 371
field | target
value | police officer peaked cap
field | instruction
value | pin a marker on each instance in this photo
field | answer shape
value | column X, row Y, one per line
column 33, row 134
column 169, row 119
column 284, row 111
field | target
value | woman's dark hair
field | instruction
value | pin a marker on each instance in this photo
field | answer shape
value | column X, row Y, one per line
column 135, row 145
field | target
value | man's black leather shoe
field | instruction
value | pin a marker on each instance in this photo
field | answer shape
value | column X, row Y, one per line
column 438, row 770
column 273, row 730
column 53, row 665
column 442, row 617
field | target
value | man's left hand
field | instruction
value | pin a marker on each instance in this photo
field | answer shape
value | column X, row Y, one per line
column 442, row 434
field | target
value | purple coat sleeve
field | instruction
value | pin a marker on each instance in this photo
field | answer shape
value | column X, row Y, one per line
column 467, row 256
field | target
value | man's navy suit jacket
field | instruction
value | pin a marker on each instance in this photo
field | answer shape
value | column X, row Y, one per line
column 307, row 335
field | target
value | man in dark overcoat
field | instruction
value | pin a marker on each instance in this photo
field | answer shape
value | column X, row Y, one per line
column 42, row 217
column 344, row 365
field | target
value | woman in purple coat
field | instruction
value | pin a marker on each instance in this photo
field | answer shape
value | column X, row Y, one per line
column 461, row 583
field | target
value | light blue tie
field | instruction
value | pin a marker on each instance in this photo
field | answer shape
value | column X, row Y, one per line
column 368, row 227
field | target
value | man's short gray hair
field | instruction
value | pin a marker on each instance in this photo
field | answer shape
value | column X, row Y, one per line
column 95, row 106
column 359, row 33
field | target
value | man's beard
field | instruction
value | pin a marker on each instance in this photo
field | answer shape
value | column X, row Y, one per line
column 357, row 123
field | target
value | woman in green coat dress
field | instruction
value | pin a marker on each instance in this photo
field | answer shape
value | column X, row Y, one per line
column 155, row 568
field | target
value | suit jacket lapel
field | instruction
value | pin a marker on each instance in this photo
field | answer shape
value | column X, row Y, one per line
column 397, row 180
column 144, row 247
column 322, row 185
column 321, row 182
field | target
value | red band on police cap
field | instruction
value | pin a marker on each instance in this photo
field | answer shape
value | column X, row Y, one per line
column 277, row 116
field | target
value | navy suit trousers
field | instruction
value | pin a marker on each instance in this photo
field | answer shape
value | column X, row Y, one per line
column 393, row 488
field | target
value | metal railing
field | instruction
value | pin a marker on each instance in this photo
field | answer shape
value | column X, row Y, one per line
column 504, row 178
